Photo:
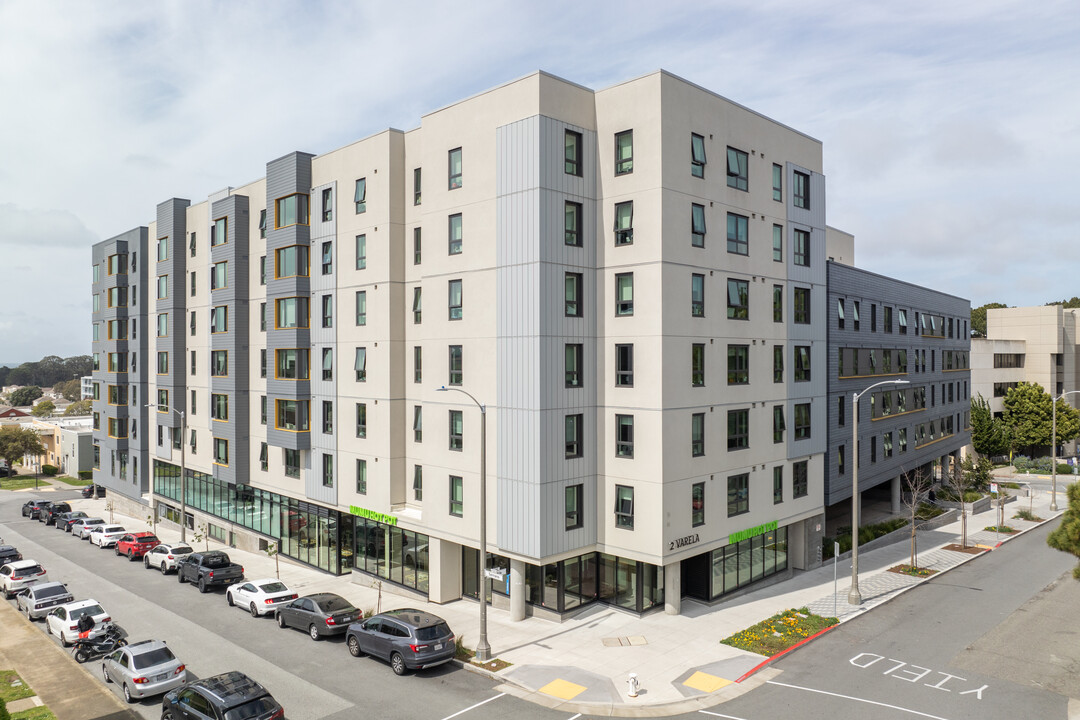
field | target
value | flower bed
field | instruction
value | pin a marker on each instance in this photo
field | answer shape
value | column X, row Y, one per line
column 779, row 632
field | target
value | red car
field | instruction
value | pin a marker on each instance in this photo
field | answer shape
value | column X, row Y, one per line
column 135, row 545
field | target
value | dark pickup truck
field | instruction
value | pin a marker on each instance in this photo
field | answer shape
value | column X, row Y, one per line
column 208, row 569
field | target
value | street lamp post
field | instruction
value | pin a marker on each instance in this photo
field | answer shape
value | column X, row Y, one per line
column 483, row 649
column 854, row 596
column 183, row 478
column 1053, row 450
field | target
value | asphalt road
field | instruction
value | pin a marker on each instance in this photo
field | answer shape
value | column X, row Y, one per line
column 312, row 680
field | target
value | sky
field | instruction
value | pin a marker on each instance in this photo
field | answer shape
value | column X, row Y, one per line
column 950, row 129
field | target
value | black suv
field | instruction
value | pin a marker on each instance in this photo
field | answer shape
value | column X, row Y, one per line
column 9, row 553
column 231, row 696
column 50, row 512
column 33, row 508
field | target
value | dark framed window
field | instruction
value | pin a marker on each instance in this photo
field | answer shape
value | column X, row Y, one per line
column 454, row 171
column 327, row 312
column 624, row 223
column 624, row 152
column 417, row 177
column 360, row 365
column 778, row 303
column 328, row 364
column 777, row 183
column 778, row 243
column 697, row 434
column 327, row 470
column 802, row 306
column 738, row 299
column 575, row 435
column 360, row 195
column 697, row 225
column 778, row 424
column 840, row 460
column 737, row 169
column 575, row 364
column 417, row 234
column 800, row 253
column 454, row 234
column 697, row 504
column 800, row 479
column 738, row 429
column 887, row 319
column 840, row 313
column 624, row 507
column 418, row 483
column 624, row 436
column 778, row 484
column 800, row 192
column 361, row 253
column 802, row 421
column 417, row 305
column 802, row 363
column 778, row 363
column 418, row 363
column 457, row 496
column 624, row 294
column 573, row 291
column 418, row 423
column 738, row 494
column 454, row 299
column 361, row 420
column 456, row 373
column 573, row 497
column 738, row 234
column 697, row 155
column 738, row 364
column 697, row 364
column 624, row 365
column 697, row 295
column 572, row 214
column 457, row 441
column 572, row 154
column 327, row 204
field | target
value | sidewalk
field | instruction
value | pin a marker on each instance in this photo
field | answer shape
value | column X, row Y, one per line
column 582, row 665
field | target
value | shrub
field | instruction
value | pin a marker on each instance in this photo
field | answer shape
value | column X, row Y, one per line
column 1064, row 469
column 49, row 470
column 1027, row 515
column 86, row 474
column 4, row 714
column 866, row 534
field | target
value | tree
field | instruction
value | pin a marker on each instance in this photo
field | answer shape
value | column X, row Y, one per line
column 44, row 409
column 1067, row 536
column 16, row 441
column 80, row 407
column 989, row 435
column 24, row 396
column 978, row 316
column 70, row 390
column 919, row 484
column 1028, row 413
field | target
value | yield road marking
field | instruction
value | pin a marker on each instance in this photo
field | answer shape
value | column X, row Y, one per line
column 856, row 699
column 705, row 682
column 729, row 717
column 473, row 707
column 563, row 689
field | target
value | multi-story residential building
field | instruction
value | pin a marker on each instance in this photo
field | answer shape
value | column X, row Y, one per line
column 654, row 392
column 881, row 329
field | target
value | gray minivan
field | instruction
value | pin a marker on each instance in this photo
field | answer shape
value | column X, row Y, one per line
column 410, row 639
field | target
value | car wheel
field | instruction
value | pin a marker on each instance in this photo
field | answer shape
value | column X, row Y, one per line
column 116, row 549
column 127, row 694
column 28, row 615
column 146, row 563
column 228, row 598
column 354, row 646
column 165, row 568
column 166, row 715
column 280, row 620
column 64, row 640
column 105, row 674
column 397, row 663
column 202, row 585
column 179, row 577
column 254, row 610
column 131, row 555
column 313, row 631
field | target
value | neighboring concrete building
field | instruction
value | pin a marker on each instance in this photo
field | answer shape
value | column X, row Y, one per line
column 655, row 392
column 87, row 387
column 885, row 329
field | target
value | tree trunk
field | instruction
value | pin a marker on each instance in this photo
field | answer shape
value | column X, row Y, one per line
column 914, row 555
column 963, row 525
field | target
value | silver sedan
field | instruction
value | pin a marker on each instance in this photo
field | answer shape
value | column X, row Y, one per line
column 143, row 669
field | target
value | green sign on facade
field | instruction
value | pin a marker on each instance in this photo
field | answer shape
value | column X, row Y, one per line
column 751, row 532
column 378, row 516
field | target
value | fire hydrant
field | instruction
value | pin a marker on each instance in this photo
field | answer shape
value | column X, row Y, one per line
column 632, row 685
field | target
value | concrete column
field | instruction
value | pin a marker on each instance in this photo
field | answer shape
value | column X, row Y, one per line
column 673, row 588
column 517, row 590
column 894, row 485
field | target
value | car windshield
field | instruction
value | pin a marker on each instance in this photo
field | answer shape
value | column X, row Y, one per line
column 32, row 570
column 252, row 709
column 215, row 560
column 434, row 632
column 50, row 591
column 274, row 587
column 153, row 657
column 335, row 604
column 181, row 550
column 88, row 610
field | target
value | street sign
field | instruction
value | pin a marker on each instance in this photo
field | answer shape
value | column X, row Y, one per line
column 495, row 573
column 993, row 488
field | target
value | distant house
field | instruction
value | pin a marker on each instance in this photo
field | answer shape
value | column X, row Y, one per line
column 6, row 411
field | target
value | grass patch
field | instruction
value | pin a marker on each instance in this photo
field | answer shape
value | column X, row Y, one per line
column 1010, row 485
column 948, row 495
column 1027, row 515
column 73, row 481
column 37, row 713
column 10, row 691
column 911, row 570
column 926, row 511
column 20, row 482
column 1001, row 529
column 779, row 632
column 493, row 665
column 461, row 652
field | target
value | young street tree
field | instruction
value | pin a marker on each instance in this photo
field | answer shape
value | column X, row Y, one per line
column 79, row 407
column 918, row 485
column 989, row 435
column 15, row 442
column 1028, row 413
column 1067, row 536
column 43, row 409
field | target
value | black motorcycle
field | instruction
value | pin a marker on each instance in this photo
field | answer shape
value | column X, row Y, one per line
column 85, row 649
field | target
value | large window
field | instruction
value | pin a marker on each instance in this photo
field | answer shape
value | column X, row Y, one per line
column 219, row 232
column 802, row 421
column 291, row 364
column 291, row 261
column 624, row 294
column 572, row 213
column 737, row 169
column 572, row 153
column 573, row 516
column 291, row 312
column 574, row 295
column 800, row 253
column 221, row 451
column 800, row 481
column 291, row 210
column 219, row 276
column 624, row 365
column 738, row 494
column 575, row 364
column 624, row 507
column 738, row 429
column 738, row 234
column 624, row 223
column 738, row 364
column 738, row 299
column 292, row 415
column 697, row 155
column 624, row 436
column 219, row 406
column 454, row 171
column 574, row 435
column 456, row 374
column 163, row 249
column 163, row 363
column 454, row 301
column 697, row 225
column 456, row 430
column 802, row 363
column 802, row 306
column 163, row 324
column 800, row 191
column 219, row 319
column 219, row 363
column 697, row 434
column 624, row 152
column 163, row 286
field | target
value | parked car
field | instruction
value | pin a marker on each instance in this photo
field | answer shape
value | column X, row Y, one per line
column 32, row 508
column 229, row 695
column 53, row 510
column 39, row 599
column 410, row 639
column 106, row 535
column 93, row 490
column 135, row 545
column 208, row 569
column 19, row 575
column 81, row 528
column 63, row 620
column 9, row 553
column 63, row 522
column 260, row 597
column 321, row 614
column 165, row 556
column 143, row 669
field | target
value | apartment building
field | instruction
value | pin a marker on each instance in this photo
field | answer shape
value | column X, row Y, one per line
column 654, row 392
column 883, row 330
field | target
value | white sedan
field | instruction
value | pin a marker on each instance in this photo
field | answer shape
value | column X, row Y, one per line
column 106, row 535
column 165, row 556
column 64, row 620
column 259, row 597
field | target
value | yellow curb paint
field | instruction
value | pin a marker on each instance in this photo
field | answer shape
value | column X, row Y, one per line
column 705, row 682
column 563, row 689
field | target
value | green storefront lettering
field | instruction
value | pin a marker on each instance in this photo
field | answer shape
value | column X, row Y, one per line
column 752, row 532
column 377, row 516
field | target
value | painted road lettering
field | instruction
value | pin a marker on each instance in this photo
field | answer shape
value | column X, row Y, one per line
column 912, row 673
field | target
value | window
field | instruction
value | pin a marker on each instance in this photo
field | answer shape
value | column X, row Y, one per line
column 778, row 424
column 291, row 210
column 777, row 243
column 902, row 321
column 291, row 364
column 624, row 294
column 457, row 502
column 736, row 169
column 697, row 504
column 777, row 183
column 262, row 230
column 778, row 303
column 163, row 401
column 840, row 313
column 328, row 364
column 116, row 264
column 219, row 275
column 456, row 372
column 573, row 291
column 264, row 459
column 886, row 444
column 873, row 317
column 328, row 416
column 738, row 431
column 572, row 212
column 292, row 415
column 572, row 154
column 801, row 190
column 573, row 517
column 361, row 307
column 218, row 232
column 738, row 299
column 624, row 152
column 697, row 434
column 418, row 355
column 163, row 286
column 802, row 363
column 902, row 439
column 738, row 364
column 454, row 299
column 416, row 245
column 361, row 420
column 163, row 249
column 417, row 176
column 624, row 436
column 291, row 312
column 624, row 223
column 575, row 435
column 262, row 362
column 117, row 428
column 163, row 363
column 456, row 430
column 855, row 314
column 778, row 363
column 360, row 195
column 738, row 494
column 802, row 306
column 418, row 483
column 163, row 324
column 840, row 406
column 117, row 297
column 328, row 470
column 800, row 481
column 574, row 365
column 802, row 421
column 191, row 276
column 801, row 252
column 262, row 270
column 219, row 406
column 361, row 252
column 417, row 305
column 116, row 330
column 624, row 507
column 697, row 225
column 221, row 451
column 697, row 295
column 455, row 234
column 327, row 258
column 262, row 410
column 624, row 365
column 697, row 155
column 887, row 319
column 778, row 485
column 697, row 364
column 291, row 261
column 361, row 476
column 737, row 230
column 840, row 460
column 361, row 364
column 454, row 162
column 292, row 463
column 418, row 423
column 327, row 312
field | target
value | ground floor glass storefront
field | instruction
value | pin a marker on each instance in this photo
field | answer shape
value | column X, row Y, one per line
column 724, row 570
